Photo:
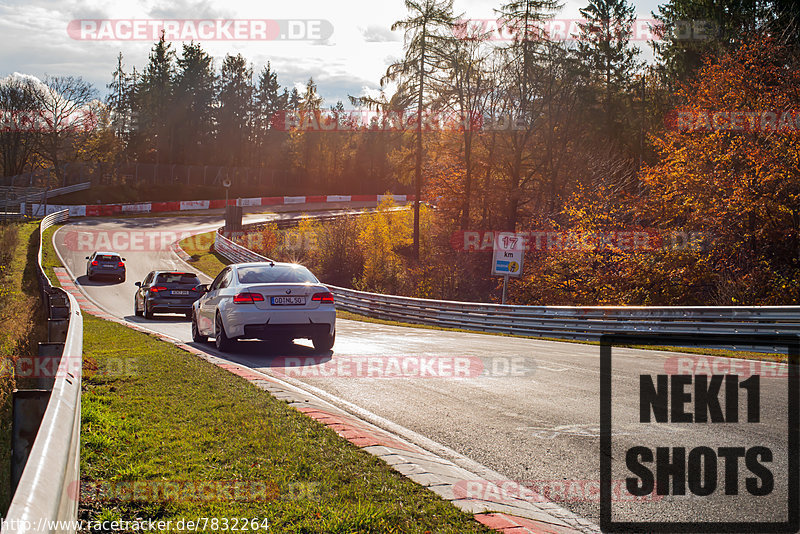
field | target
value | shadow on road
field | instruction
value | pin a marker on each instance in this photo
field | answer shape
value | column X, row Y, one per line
column 260, row 354
column 167, row 318
column 83, row 280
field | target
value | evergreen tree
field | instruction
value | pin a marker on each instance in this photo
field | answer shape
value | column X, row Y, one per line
column 194, row 99
column 608, row 58
column 268, row 101
column 690, row 30
column 310, row 101
column 294, row 99
column 119, row 99
column 235, row 111
column 523, row 59
column 427, row 28
column 154, row 102
column 270, row 108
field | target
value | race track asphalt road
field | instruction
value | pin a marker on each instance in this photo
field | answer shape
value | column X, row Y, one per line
column 526, row 408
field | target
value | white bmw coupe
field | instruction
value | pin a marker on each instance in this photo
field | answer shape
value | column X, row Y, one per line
column 268, row 301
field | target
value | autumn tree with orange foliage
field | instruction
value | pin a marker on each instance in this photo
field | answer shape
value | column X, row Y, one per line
column 740, row 186
column 739, row 189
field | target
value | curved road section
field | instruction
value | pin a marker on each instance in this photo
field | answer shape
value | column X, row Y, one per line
column 527, row 409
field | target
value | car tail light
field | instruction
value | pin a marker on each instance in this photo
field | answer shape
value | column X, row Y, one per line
column 248, row 298
column 323, row 297
column 120, row 264
column 156, row 289
column 94, row 262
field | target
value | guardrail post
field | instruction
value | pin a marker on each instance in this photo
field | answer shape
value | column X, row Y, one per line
column 58, row 316
column 57, row 330
column 48, row 357
column 28, row 409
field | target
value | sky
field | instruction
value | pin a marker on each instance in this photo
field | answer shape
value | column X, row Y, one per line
column 346, row 46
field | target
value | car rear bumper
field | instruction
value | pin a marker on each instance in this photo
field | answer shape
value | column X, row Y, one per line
column 111, row 273
column 170, row 305
column 261, row 324
column 286, row 331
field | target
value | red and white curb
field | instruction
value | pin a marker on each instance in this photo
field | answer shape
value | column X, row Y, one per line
column 104, row 210
column 438, row 474
column 176, row 248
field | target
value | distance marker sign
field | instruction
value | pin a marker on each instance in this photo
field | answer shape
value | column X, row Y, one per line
column 509, row 253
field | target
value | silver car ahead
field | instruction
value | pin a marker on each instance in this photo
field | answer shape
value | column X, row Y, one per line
column 268, row 301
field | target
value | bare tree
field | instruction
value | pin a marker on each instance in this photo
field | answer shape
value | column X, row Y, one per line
column 68, row 111
column 522, row 101
column 465, row 90
column 19, row 105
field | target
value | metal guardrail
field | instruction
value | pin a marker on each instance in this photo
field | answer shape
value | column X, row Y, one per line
column 234, row 252
column 46, row 496
column 39, row 196
column 283, row 224
column 585, row 323
column 36, row 204
column 237, row 253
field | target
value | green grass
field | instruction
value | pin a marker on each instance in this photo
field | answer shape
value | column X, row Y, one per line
column 22, row 324
column 49, row 256
column 203, row 259
column 212, row 263
column 174, row 417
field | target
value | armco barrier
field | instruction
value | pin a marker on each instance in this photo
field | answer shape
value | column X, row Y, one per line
column 41, row 502
column 41, row 196
column 234, row 252
column 585, row 323
column 101, row 210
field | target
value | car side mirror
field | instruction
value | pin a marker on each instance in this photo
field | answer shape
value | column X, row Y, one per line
column 87, row 257
column 138, row 284
column 203, row 288
column 123, row 259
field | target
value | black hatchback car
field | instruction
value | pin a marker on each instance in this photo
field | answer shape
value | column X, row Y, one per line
column 105, row 264
column 167, row 292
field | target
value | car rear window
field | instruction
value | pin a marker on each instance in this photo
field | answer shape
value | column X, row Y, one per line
column 177, row 278
column 106, row 257
column 276, row 274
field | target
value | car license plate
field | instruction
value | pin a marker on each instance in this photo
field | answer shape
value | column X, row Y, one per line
column 108, row 265
column 288, row 301
column 179, row 293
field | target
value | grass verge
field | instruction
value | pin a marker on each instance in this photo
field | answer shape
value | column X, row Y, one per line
column 49, row 256
column 22, row 324
column 160, row 414
column 203, row 258
column 211, row 263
